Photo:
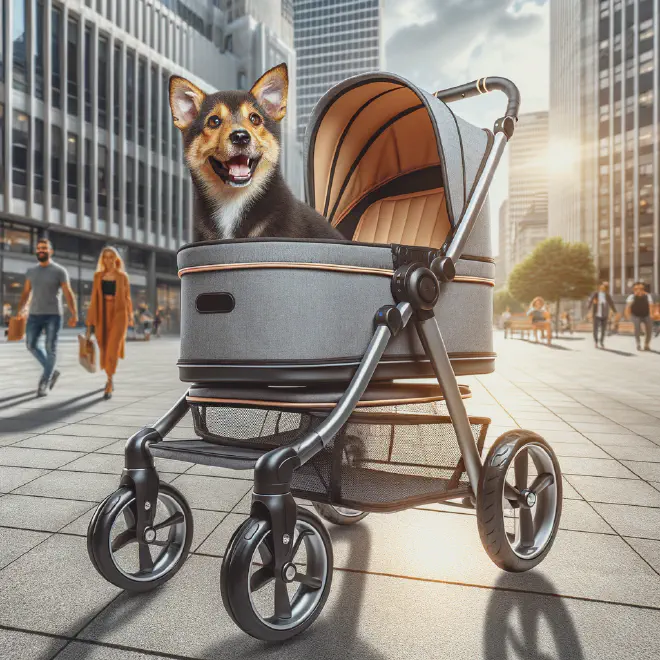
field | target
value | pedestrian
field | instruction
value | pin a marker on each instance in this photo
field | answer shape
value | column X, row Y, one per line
column 639, row 305
column 46, row 281
column 158, row 319
column 540, row 318
column 110, row 312
column 600, row 305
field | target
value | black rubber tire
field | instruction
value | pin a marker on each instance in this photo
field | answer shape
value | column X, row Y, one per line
column 329, row 512
column 235, row 574
column 98, row 541
column 490, row 511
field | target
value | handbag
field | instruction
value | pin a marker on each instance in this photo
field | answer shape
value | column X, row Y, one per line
column 16, row 330
column 87, row 353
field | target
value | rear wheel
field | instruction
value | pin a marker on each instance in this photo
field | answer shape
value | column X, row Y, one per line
column 519, row 501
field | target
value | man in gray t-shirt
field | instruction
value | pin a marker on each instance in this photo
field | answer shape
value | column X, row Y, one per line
column 46, row 281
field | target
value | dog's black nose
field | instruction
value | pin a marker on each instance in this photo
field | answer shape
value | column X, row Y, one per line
column 239, row 137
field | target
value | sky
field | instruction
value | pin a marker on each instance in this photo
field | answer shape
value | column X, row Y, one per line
column 443, row 43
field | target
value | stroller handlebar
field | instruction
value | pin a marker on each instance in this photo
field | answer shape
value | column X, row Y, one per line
column 483, row 86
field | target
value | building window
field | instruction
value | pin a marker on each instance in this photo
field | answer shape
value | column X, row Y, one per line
column 164, row 187
column 72, row 172
column 175, row 207
column 2, row 148
column 165, row 115
column 117, row 88
column 88, row 177
column 115, row 187
column 130, row 187
column 88, row 73
column 154, row 200
column 141, row 195
column 102, row 168
column 16, row 240
column 155, row 106
column 72, row 67
column 20, row 147
column 56, row 50
column 38, row 8
column 142, row 101
column 39, row 155
column 2, row 44
column 130, row 94
column 55, row 163
column 103, row 81
column 19, row 39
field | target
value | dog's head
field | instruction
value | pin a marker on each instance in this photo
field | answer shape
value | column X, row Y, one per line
column 231, row 139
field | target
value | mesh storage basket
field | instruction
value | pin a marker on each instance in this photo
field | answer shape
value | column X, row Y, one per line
column 383, row 460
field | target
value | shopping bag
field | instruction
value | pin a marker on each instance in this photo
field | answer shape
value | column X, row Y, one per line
column 87, row 353
column 16, row 330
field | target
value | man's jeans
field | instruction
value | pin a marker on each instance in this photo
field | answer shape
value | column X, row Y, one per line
column 600, row 324
column 36, row 324
column 638, row 322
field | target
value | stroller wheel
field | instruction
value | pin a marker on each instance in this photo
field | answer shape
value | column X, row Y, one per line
column 113, row 546
column 339, row 515
column 519, row 500
column 276, row 607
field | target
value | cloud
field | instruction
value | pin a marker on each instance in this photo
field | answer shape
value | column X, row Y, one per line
column 442, row 43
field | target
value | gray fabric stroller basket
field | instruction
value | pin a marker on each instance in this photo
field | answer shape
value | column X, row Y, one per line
column 393, row 169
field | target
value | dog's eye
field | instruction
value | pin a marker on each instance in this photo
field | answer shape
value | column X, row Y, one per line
column 255, row 119
column 213, row 121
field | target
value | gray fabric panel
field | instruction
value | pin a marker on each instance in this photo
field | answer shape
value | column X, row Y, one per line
column 296, row 315
column 475, row 143
column 475, row 268
column 479, row 243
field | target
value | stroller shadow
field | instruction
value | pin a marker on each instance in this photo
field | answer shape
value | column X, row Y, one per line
column 517, row 624
column 36, row 417
column 337, row 632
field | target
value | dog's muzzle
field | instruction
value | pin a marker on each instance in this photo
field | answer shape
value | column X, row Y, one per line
column 237, row 171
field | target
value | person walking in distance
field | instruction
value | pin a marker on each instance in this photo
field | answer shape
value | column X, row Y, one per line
column 46, row 281
column 110, row 312
column 639, row 305
column 600, row 305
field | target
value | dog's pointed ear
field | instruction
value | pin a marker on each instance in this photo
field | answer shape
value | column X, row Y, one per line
column 185, row 101
column 271, row 91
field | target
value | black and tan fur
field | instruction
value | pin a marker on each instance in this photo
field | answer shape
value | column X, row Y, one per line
column 227, row 206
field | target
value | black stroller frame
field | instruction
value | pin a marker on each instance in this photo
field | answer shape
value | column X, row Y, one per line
column 415, row 287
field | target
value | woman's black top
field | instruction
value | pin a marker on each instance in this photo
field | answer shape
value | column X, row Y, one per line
column 109, row 287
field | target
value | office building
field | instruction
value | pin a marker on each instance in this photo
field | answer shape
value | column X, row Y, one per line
column 333, row 39
column 619, row 142
column 88, row 151
column 501, row 273
column 528, row 182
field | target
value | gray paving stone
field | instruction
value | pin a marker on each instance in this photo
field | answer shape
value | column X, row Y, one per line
column 88, row 486
column 579, row 516
column 13, row 477
column 647, row 471
column 639, row 454
column 620, row 440
column 65, row 442
column 15, row 645
column 36, row 458
column 569, row 492
column 88, row 651
column 578, row 450
column 54, row 588
column 596, row 467
column 216, row 543
column 648, row 549
column 631, row 520
column 214, row 493
column 15, row 542
column 114, row 464
column 615, row 491
column 39, row 513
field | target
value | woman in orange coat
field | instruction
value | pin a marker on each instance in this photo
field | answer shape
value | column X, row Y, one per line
column 110, row 311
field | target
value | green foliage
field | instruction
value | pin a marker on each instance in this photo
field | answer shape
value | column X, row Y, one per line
column 504, row 299
column 554, row 270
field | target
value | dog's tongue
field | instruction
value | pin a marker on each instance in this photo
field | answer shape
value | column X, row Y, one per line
column 238, row 166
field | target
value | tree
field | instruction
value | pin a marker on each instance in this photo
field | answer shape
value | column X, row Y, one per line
column 554, row 270
column 504, row 299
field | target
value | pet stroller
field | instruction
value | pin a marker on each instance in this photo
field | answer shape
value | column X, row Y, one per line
column 303, row 359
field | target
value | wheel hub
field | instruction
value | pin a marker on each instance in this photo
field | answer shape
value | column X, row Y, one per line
column 528, row 498
column 289, row 572
column 149, row 534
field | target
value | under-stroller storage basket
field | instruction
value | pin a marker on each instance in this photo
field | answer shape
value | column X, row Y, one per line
column 379, row 461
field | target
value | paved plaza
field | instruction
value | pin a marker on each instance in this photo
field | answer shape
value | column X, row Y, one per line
column 416, row 584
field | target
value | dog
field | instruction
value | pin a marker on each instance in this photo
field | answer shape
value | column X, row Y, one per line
column 231, row 143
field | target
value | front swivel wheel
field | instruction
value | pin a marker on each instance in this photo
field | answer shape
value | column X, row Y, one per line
column 113, row 545
column 519, row 500
column 276, row 605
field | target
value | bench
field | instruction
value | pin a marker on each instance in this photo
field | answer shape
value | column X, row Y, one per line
column 519, row 323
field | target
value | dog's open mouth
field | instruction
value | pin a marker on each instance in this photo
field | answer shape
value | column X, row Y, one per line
column 236, row 171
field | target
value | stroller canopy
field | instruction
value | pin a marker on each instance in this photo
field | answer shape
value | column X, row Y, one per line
column 388, row 162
